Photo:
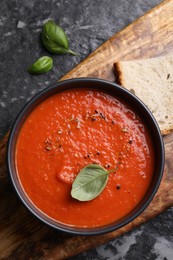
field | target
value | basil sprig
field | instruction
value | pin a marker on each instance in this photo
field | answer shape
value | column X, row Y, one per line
column 54, row 39
column 42, row 65
column 90, row 182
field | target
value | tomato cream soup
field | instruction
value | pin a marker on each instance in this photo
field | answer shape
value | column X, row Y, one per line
column 75, row 128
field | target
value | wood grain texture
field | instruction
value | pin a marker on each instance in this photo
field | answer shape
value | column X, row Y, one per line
column 23, row 236
column 149, row 36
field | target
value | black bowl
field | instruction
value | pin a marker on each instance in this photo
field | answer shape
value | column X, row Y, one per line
column 119, row 92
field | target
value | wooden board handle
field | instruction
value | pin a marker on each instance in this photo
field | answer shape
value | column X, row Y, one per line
column 3, row 146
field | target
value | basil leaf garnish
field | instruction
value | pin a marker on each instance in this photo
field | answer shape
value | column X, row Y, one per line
column 42, row 65
column 90, row 182
column 54, row 39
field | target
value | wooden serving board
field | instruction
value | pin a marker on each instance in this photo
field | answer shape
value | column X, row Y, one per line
column 24, row 237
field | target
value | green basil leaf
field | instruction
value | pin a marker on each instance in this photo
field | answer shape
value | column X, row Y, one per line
column 42, row 65
column 54, row 39
column 90, row 182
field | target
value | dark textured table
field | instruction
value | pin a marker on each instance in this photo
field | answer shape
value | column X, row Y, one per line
column 88, row 24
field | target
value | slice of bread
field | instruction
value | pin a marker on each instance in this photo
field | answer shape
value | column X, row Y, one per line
column 152, row 81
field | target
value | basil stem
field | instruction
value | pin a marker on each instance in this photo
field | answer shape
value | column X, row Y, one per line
column 54, row 39
column 90, row 182
column 42, row 65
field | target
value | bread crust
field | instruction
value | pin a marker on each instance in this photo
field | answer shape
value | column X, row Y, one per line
column 118, row 73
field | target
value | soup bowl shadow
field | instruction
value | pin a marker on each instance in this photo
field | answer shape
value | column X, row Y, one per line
column 118, row 92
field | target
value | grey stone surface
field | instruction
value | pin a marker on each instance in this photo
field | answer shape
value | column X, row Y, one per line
column 88, row 24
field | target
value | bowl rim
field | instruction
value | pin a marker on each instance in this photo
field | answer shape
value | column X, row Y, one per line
column 67, row 228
